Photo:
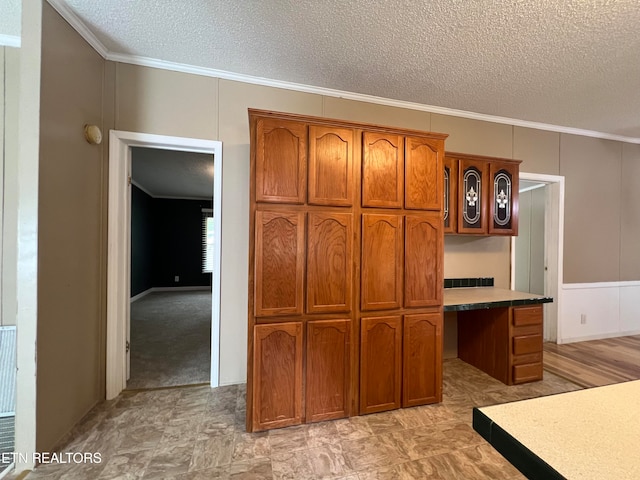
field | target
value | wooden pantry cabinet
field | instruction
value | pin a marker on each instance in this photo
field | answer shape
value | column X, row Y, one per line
column 345, row 269
column 480, row 195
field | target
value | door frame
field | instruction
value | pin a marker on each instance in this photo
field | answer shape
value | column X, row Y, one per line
column 554, row 245
column 119, row 247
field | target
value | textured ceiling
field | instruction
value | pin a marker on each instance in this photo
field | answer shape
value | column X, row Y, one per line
column 572, row 63
column 166, row 173
column 10, row 11
column 568, row 63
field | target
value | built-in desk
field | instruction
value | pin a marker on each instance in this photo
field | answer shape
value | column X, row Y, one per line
column 499, row 331
column 591, row 434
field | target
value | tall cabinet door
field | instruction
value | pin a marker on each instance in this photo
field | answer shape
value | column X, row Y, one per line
column 331, row 164
column 279, row 263
column 503, row 198
column 381, row 266
column 329, row 262
column 450, row 195
column 423, row 177
column 281, row 160
column 423, row 259
column 422, row 359
column 472, row 197
column 327, row 379
column 277, row 375
column 382, row 170
column 380, row 363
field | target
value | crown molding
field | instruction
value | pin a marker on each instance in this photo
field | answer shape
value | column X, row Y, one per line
column 79, row 26
column 65, row 11
column 10, row 40
column 222, row 74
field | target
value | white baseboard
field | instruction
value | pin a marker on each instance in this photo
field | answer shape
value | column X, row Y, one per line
column 599, row 337
column 168, row 289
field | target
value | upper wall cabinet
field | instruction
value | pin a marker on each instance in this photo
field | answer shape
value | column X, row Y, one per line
column 480, row 195
column 382, row 170
column 472, row 199
column 281, row 149
column 503, row 198
column 331, row 165
column 423, row 180
column 450, row 211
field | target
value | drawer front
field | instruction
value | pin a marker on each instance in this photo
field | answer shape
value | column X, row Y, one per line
column 529, row 358
column 527, row 344
column 529, row 372
column 527, row 316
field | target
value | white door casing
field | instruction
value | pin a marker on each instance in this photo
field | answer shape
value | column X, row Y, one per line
column 119, row 248
column 554, row 244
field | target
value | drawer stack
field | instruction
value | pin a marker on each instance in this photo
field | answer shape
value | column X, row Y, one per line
column 525, row 333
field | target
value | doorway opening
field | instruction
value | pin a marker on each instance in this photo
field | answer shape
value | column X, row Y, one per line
column 537, row 251
column 172, row 243
column 124, row 147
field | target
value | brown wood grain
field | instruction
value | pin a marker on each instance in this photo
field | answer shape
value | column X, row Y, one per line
column 381, row 266
column 423, row 174
column 422, row 359
column 331, row 165
column 595, row 363
column 380, row 363
column 281, row 150
column 329, row 262
column 382, row 170
column 328, row 365
column 277, row 375
column 482, row 168
column 423, row 264
column 279, row 265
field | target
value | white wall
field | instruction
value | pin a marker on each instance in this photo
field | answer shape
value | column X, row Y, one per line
column 610, row 309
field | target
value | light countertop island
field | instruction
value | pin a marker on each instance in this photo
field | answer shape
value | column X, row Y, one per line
column 581, row 435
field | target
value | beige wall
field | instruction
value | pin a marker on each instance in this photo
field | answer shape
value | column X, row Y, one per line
column 71, row 279
column 630, row 213
column 10, row 188
column 592, row 171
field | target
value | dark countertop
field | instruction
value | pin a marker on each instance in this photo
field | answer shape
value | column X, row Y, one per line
column 477, row 298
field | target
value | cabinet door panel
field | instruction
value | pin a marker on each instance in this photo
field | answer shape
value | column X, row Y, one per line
column 423, row 173
column 422, row 366
column 331, row 166
column 329, row 262
column 423, row 260
column 472, row 196
column 381, row 269
column 279, row 265
column 503, row 198
column 380, row 364
column 277, row 375
column 281, row 159
column 450, row 195
column 382, row 170
column 327, row 385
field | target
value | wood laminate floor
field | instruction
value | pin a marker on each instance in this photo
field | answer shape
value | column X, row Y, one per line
column 597, row 362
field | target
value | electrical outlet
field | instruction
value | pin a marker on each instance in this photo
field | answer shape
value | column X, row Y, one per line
column 177, row 279
column 583, row 318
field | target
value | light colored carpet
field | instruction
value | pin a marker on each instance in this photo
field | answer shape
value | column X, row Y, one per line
column 170, row 339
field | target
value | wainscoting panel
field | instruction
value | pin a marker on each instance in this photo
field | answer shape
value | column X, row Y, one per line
column 610, row 309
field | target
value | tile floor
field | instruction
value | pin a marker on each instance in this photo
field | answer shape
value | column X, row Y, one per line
column 198, row 433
